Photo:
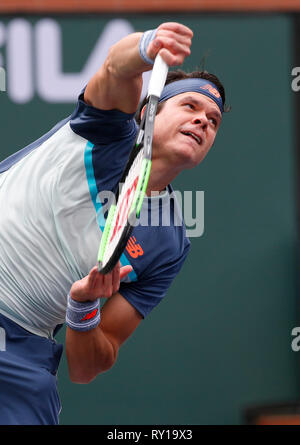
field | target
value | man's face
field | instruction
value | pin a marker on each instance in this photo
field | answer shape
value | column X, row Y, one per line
column 185, row 130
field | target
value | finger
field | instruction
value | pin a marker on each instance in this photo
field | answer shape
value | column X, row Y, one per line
column 92, row 277
column 107, row 290
column 174, row 46
column 87, row 287
column 124, row 271
column 96, row 284
column 172, row 52
column 171, row 59
column 179, row 28
column 116, row 278
column 183, row 39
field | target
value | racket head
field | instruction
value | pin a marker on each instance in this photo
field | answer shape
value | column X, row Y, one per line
column 121, row 217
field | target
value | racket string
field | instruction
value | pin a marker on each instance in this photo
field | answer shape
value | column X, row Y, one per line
column 123, row 206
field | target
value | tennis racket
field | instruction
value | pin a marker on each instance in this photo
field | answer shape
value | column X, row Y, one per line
column 123, row 214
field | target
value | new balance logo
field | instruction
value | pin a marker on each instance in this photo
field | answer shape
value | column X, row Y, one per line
column 90, row 315
column 133, row 248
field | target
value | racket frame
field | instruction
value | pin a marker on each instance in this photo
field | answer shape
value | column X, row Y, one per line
column 143, row 142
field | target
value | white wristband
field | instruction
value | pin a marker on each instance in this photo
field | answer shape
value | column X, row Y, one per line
column 146, row 39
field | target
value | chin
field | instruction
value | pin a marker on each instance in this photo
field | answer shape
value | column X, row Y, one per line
column 190, row 159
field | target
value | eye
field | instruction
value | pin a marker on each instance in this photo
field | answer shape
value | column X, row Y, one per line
column 190, row 105
column 213, row 121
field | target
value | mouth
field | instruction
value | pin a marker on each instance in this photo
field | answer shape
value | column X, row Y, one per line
column 194, row 136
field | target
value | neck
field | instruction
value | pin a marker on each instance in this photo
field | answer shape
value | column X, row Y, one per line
column 160, row 178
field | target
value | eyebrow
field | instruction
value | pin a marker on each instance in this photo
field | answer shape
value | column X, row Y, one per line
column 199, row 103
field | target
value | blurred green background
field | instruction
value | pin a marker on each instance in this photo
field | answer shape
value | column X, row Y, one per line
column 221, row 339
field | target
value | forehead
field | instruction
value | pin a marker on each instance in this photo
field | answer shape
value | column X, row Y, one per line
column 199, row 99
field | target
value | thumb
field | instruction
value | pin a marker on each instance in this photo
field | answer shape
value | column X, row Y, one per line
column 125, row 270
column 153, row 48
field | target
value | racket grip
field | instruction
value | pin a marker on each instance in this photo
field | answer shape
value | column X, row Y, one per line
column 158, row 77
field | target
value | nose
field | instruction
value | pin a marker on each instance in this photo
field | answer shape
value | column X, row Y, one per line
column 201, row 120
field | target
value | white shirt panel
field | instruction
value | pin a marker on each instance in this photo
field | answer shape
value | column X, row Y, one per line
column 61, row 220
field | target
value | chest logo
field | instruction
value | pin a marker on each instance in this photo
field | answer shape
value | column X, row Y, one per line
column 133, row 248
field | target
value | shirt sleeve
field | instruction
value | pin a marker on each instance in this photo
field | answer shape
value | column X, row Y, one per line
column 146, row 293
column 101, row 127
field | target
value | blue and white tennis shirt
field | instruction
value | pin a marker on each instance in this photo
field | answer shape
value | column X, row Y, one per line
column 51, row 220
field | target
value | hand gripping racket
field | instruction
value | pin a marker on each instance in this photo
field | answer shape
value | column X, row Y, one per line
column 124, row 212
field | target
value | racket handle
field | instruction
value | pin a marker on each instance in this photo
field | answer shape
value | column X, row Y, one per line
column 158, row 77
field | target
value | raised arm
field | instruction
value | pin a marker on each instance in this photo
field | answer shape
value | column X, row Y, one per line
column 118, row 83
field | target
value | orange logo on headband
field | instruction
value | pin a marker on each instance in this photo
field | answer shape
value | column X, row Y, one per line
column 212, row 90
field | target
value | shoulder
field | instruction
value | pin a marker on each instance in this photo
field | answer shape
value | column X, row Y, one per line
column 101, row 126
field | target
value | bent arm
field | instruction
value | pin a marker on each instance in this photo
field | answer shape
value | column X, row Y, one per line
column 93, row 352
column 118, row 82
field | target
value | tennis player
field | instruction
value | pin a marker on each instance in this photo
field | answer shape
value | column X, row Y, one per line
column 52, row 217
